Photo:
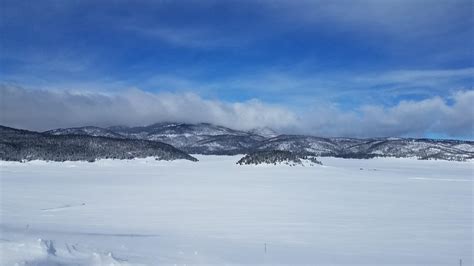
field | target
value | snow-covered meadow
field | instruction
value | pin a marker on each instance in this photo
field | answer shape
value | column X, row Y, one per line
column 147, row 212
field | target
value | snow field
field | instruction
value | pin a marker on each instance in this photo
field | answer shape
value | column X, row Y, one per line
column 145, row 212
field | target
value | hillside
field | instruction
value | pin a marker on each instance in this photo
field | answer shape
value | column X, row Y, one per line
column 19, row 145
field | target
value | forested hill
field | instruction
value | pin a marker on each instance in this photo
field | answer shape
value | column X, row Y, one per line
column 19, row 145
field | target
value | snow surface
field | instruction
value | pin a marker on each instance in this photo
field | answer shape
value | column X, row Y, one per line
column 144, row 212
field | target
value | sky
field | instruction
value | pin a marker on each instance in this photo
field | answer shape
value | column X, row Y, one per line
column 359, row 68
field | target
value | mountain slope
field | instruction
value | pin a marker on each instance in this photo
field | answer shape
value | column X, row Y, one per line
column 206, row 138
column 224, row 145
column 203, row 138
column 88, row 131
column 419, row 148
column 369, row 148
column 18, row 145
column 301, row 145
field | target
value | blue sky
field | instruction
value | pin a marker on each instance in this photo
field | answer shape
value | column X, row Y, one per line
column 304, row 58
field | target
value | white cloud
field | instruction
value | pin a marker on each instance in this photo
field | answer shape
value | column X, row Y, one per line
column 407, row 118
column 45, row 109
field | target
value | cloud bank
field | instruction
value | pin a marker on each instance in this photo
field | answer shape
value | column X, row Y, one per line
column 47, row 109
column 44, row 109
column 451, row 117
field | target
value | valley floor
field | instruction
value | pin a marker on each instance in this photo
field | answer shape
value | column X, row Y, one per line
column 146, row 212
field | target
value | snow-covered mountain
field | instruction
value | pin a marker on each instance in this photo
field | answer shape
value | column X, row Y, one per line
column 205, row 138
column 167, row 129
column 420, row 148
column 202, row 138
column 377, row 147
column 264, row 131
column 301, row 144
column 225, row 144
column 88, row 131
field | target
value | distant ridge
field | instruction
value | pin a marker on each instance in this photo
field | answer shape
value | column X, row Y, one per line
column 205, row 138
column 202, row 138
column 87, row 131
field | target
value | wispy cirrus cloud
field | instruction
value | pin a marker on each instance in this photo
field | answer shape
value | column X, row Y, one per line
column 292, row 87
column 414, row 77
column 395, row 19
column 200, row 38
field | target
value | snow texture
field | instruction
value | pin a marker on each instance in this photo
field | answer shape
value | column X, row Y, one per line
column 382, row 211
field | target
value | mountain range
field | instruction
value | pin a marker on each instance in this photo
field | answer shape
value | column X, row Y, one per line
column 205, row 138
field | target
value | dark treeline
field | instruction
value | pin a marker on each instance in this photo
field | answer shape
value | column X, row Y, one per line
column 19, row 145
column 276, row 157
